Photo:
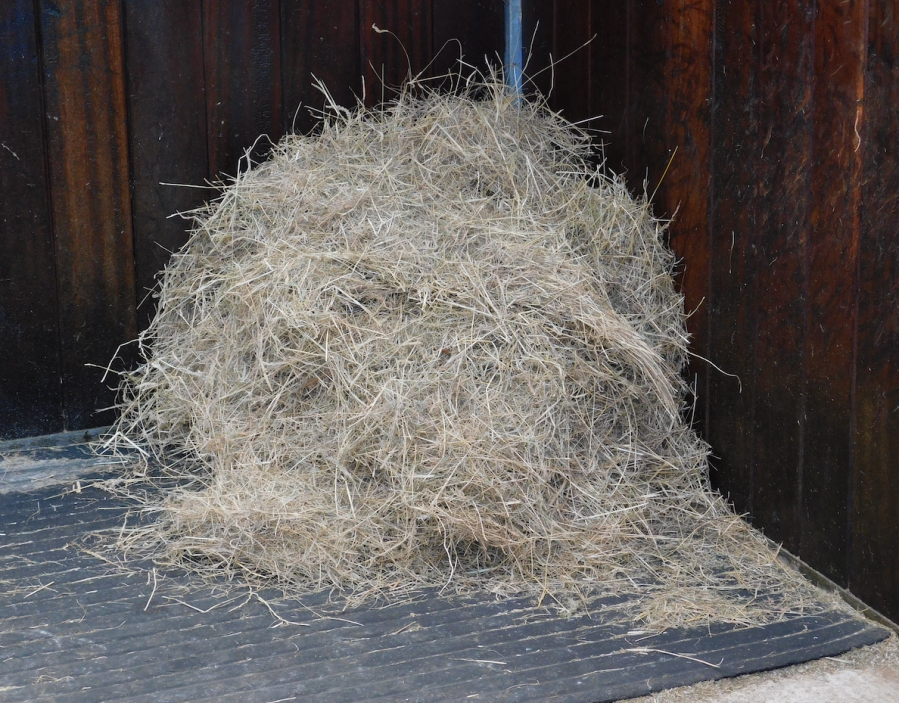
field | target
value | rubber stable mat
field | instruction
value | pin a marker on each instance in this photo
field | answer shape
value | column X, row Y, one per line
column 75, row 629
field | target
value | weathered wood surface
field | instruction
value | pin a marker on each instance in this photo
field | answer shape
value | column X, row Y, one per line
column 243, row 81
column 167, row 117
column 688, row 181
column 30, row 391
column 781, row 272
column 538, row 33
column 319, row 38
column 784, row 120
column 470, row 30
column 73, row 629
column 573, row 51
column 396, row 43
column 833, row 249
column 649, row 71
column 732, row 295
column 874, row 546
column 87, row 142
column 610, row 87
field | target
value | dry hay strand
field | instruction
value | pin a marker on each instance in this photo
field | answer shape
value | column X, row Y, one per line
column 430, row 345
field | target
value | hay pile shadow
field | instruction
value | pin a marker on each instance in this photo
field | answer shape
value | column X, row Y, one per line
column 432, row 346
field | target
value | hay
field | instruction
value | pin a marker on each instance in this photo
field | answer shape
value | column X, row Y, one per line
column 432, row 346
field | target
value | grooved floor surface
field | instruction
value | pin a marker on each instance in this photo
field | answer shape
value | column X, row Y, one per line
column 73, row 628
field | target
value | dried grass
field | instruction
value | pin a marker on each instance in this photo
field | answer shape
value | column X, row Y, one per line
column 431, row 346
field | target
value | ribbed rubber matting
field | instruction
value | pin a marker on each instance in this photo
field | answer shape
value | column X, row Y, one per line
column 75, row 629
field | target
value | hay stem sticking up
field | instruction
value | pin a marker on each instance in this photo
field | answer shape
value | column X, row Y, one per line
column 432, row 346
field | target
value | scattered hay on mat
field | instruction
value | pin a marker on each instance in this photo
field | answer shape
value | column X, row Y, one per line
column 431, row 346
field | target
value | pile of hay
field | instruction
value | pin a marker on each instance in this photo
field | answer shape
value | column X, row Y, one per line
column 430, row 346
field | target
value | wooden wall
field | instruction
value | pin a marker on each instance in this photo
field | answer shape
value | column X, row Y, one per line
column 101, row 101
column 785, row 182
column 778, row 118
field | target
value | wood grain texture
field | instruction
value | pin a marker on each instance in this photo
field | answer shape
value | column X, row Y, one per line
column 781, row 276
column 319, row 40
column 243, row 80
column 572, row 83
column 732, row 302
column 401, row 49
column 30, row 391
column 609, row 85
column 648, row 150
column 689, row 185
column 832, row 262
column 472, row 30
column 874, row 575
column 538, row 31
column 88, row 156
column 167, row 114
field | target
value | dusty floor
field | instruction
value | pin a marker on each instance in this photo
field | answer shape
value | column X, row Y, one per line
column 869, row 675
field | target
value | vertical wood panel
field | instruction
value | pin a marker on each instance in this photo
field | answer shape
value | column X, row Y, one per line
column 243, row 79
column 538, row 29
column 649, row 60
column 88, row 156
column 167, row 116
column 832, row 251
column 477, row 25
column 732, row 303
column 320, row 38
column 388, row 59
column 609, row 80
column 690, row 87
column 781, row 276
column 875, row 542
column 30, row 392
column 572, row 84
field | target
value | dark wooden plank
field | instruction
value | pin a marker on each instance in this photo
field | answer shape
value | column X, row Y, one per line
column 470, row 29
column 572, row 84
column 88, row 156
column 538, row 30
column 319, row 38
column 781, row 278
column 30, row 392
column 689, row 180
column 648, row 150
column 243, row 79
column 874, row 573
column 832, row 263
column 396, row 43
column 732, row 305
column 609, row 81
column 167, row 114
